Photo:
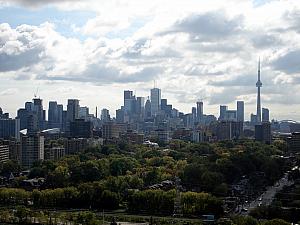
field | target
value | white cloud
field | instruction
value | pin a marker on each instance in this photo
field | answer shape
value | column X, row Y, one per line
column 193, row 49
column 8, row 92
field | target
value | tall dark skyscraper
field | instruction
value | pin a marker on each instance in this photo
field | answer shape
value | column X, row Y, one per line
column 223, row 110
column 265, row 115
column 200, row 111
column 55, row 112
column 60, row 109
column 240, row 111
column 52, row 114
column 72, row 110
column 38, row 108
column 258, row 85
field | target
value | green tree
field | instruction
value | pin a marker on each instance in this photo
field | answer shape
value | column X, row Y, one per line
column 276, row 222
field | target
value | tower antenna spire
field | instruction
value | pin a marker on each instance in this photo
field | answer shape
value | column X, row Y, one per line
column 259, row 68
column 258, row 85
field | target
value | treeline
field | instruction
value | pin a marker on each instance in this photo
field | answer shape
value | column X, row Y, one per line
column 119, row 175
column 162, row 202
column 85, row 196
column 154, row 202
column 201, row 166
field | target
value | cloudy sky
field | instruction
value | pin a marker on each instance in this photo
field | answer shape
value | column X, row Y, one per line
column 194, row 49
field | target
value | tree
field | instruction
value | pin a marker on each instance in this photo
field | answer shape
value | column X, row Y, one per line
column 276, row 222
column 59, row 177
column 36, row 172
column 10, row 167
column 246, row 220
column 22, row 214
column 87, row 218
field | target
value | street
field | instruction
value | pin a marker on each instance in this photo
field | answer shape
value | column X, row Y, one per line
column 267, row 197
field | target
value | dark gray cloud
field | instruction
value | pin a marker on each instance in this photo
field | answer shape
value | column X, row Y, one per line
column 288, row 62
column 238, row 81
column 208, row 26
column 100, row 74
column 229, row 95
column 16, row 62
column 266, row 41
column 245, row 80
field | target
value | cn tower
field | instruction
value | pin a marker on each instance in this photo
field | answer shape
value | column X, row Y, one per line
column 258, row 85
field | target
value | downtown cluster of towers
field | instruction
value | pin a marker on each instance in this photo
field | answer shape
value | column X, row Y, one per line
column 137, row 119
column 135, row 111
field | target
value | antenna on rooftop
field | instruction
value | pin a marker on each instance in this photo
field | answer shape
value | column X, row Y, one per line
column 36, row 92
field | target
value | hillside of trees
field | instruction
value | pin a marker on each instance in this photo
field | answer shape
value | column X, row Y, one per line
column 124, row 176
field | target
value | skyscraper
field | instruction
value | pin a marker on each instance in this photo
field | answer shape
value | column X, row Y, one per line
column 265, row 115
column 105, row 117
column 38, row 109
column 194, row 113
column 120, row 115
column 155, row 101
column 72, row 110
column 9, row 128
column 148, row 109
column 258, row 85
column 223, row 110
column 129, row 102
column 83, row 112
column 29, row 106
column 200, row 111
column 140, row 106
column 32, row 149
column 263, row 132
column 60, row 109
column 52, row 114
column 240, row 111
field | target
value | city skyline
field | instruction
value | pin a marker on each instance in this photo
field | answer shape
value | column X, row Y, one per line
column 199, row 51
column 128, row 106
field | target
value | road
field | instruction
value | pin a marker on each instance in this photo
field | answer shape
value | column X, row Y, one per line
column 268, row 196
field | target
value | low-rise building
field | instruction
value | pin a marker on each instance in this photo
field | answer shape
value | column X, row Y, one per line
column 294, row 142
column 4, row 153
column 54, row 153
column 74, row 145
